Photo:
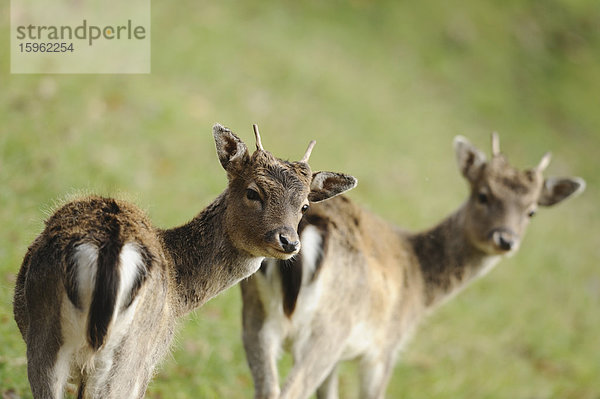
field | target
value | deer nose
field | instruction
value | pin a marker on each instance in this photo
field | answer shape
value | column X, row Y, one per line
column 287, row 244
column 504, row 239
column 504, row 243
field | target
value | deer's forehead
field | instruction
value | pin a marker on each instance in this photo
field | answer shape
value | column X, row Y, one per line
column 524, row 186
column 282, row 181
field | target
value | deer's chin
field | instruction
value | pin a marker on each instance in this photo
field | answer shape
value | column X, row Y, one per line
column 489, row 248
column 279, row 254
column 507, row 254
column 285, row 255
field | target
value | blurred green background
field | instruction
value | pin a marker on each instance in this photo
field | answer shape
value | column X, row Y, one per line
column 383, row 87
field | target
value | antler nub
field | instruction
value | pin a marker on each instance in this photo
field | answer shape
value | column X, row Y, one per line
column 308, row 151
column 495, row 144
column 257, row 135
column 544, row 162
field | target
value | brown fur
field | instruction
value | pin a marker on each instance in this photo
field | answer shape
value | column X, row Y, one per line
column 376, row 282
column 108, row 338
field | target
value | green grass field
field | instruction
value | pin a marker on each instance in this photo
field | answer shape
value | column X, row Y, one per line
column 383, row 87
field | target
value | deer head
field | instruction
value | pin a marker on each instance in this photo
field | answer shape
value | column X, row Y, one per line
column 504, row 199
column 267, row 197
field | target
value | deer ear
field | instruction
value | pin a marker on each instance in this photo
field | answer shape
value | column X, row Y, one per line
column 325, row 185
column 557, row 189
column 469, row 159
column 232, row 151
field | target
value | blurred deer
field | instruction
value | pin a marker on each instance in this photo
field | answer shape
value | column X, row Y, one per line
column 100, row 288
column 360, row 285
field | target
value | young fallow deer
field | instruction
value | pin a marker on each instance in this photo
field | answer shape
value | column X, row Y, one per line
column 360, row 285
column 100, row 288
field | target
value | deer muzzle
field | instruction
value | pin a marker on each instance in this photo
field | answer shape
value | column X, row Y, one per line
column 285, row 240
column 505, row 240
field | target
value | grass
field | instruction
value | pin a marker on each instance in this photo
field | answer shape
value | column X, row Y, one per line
column 383, row 87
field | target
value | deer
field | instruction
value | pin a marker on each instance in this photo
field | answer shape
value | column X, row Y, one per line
column 360, row 285
column 100, row 289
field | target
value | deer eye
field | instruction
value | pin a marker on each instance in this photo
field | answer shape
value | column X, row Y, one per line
column 252, row 195
column 304, row 208
column 482, row 198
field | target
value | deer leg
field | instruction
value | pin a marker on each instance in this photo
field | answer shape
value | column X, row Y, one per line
column 125, row 365
column 375, row 374
column 329, row 387
column 262, row 347
column 121, row 371
column 262, row 343
column 47, row 365
column 313, row 363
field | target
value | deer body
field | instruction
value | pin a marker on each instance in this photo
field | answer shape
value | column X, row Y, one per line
column 100, row 289
column 360, row 285
column 345, row 296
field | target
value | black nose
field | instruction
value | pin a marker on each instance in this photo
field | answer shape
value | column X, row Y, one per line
column 505, row 239
column 505, row 244
column 288, row 246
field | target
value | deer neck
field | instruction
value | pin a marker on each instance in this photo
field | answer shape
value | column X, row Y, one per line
column 447, row 259
column 203, row 259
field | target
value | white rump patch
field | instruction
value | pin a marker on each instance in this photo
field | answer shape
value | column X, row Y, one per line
column 131, row 265
column 86, row 257
column 75, row 353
